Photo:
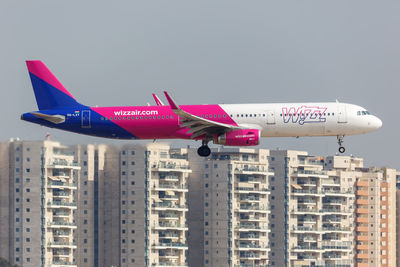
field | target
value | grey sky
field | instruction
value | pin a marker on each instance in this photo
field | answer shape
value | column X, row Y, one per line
column 119, row 52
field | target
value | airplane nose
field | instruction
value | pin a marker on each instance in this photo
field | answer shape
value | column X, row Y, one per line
column 375, row 123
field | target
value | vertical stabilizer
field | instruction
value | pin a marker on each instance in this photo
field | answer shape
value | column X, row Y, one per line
column 49, row 92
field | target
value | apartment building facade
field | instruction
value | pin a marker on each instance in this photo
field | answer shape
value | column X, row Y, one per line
column 41, row 180
column 235, row 199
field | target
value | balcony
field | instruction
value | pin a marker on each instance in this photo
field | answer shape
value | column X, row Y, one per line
column 247, row 255
column 171, row 187
column 60, row 164
column 61, row 204
column 168, row 263
column 167, row 225
column 304, row 248
column 251, row 218
column 169, row 216
column 251, row 246
column 58, row 224
column 254, row 170
column 169, row 178
column 61, row 233
column 308, row 173
column 61, row 263
column 253, row 190
column 169, row 206
column 174, row 245
column 62, row 214
column 252, row 227
column 61, row 194
column 168, row 235
column 167, row 167
column 249, row 236
column 304, row 192
column 59, row 184
column 249, row 199
column 253, row 208
column 61, row 244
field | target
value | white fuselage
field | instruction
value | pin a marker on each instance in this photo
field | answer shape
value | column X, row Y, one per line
column 304, row 119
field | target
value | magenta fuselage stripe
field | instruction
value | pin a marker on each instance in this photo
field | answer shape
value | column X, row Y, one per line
column 159, row 127
column 40, row 70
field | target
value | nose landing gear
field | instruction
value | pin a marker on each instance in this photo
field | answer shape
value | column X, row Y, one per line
column 340, row 141
column 204, row 150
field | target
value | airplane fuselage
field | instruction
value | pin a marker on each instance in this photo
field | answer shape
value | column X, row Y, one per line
column 160, row 122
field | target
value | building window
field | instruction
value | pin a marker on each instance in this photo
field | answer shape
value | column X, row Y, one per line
column 28, row 170
column 28, row 190
column 28, row 180
column 17, row 180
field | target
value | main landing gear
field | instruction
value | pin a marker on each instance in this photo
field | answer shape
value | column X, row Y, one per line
column 204, row 150
column 340, row 141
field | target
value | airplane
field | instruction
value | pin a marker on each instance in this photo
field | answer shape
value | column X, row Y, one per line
column 228, row 125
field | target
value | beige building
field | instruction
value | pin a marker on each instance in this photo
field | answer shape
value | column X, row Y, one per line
column 312, row 211
column 235, row 202
column 41, row 182
column 375, row 217
column 153, row 205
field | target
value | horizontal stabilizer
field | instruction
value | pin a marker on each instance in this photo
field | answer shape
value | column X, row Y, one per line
column 51, row 118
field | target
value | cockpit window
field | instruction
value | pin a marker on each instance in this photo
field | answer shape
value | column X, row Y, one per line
column 363, row 112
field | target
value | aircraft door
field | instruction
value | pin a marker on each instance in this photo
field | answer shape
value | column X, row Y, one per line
column 342, row 114
column 270, row 117
column 85, row 119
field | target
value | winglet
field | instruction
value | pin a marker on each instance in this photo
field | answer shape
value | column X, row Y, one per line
column 158, row 101
column 171, row 101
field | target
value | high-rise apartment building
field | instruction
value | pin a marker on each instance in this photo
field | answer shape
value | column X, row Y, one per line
column 235, row 200
column 39, row 190
column 153, row 205
column 312, row 212
column 375, row 217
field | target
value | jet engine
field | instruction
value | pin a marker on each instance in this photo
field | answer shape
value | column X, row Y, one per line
column 246, row 137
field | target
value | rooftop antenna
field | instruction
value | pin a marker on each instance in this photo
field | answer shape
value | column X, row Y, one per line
column 48, row 136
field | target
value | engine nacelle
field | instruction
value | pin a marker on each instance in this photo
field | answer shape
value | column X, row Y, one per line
column 247, row 137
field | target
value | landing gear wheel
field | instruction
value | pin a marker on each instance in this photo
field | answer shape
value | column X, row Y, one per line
column 340, row 142
column 204, row 151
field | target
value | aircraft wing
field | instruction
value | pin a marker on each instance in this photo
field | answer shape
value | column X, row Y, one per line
column 198, row 126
